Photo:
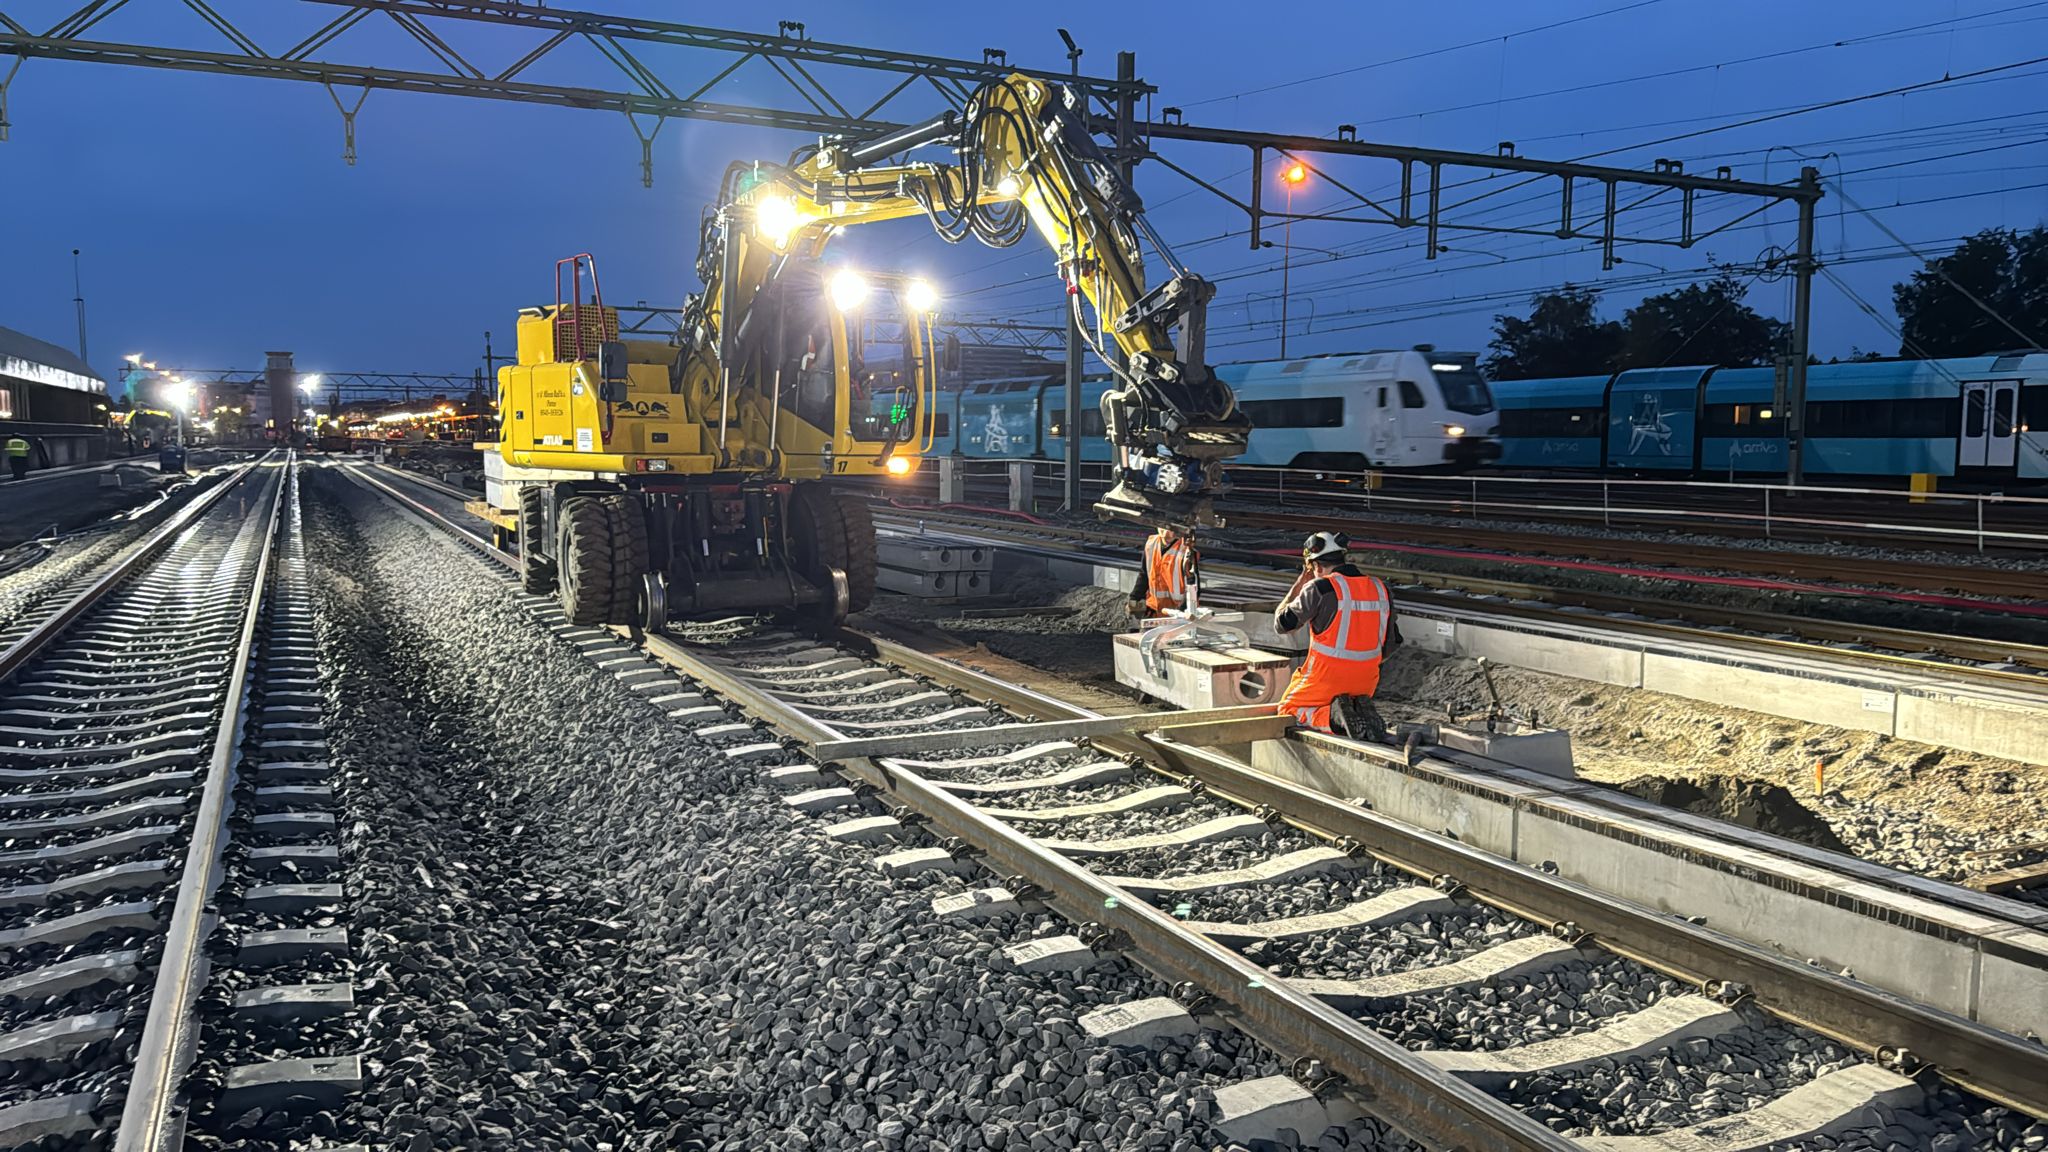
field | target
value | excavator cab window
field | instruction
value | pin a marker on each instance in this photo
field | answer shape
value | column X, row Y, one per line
column 808, row 385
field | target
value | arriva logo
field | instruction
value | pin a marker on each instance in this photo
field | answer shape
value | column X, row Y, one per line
column 1755, row 448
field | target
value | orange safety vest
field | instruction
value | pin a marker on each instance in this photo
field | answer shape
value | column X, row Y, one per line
column 1166, row 572
column 1343, row 658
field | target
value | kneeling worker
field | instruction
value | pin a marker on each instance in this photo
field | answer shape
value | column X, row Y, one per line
column 1350, row 618
column 1166, row 574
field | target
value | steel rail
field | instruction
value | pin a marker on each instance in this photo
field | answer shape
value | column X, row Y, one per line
column 1900, row 641
column 1994, row 1064
column 1436, row 1108
column 116, row 573
column 152, row 1119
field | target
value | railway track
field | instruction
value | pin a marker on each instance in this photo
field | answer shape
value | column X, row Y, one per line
column 1398, row 969
column 126, row 713
column 1257, row 573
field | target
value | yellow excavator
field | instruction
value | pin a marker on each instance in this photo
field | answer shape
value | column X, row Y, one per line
column 651, row 479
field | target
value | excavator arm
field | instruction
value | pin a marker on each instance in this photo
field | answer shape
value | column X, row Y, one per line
column 1024, row 161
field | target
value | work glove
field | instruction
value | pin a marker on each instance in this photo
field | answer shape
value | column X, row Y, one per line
column 1134, row 609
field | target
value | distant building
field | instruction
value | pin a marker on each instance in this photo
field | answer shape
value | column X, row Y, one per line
column 53, row 399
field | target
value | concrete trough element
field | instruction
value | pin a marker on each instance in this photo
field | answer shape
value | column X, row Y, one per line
column 1138, row 1023
column 1655, row 1028
column 1051, row 954
column 1501, row 962
column 1386, row 908
column 298, row 1085
column 1292, row 866
column 1236, row 827
column 1262, row 1109
column 1822, row 1106
column 1157, row 798
column 979, row 904
column 1193, row 678
column 1747, row 885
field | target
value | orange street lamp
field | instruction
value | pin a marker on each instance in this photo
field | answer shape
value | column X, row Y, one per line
column 1293, row 175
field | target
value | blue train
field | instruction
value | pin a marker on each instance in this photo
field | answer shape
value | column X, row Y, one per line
column 1409, row 409
column 1984, row 417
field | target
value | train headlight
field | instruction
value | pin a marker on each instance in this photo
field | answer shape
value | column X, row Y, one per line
column 1454, row 430
column 899, row 466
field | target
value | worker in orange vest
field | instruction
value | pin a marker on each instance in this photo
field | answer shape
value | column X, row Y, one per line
column 1350, row 620
column 1167, row 574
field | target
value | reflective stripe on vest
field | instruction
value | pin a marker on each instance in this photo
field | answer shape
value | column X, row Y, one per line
column 17, row 447
column 1356, row 595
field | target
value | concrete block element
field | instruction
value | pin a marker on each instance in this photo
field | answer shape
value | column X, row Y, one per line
column 866, row 830
column 1655, row 1028
column 1514, row 958
column 1160, row 798
column 295, row 1001
column 1386, row 908
column 917, row 554
column 1988, row 721
column 290, row 899
column 822, row 800
column 1197, row 678
column 1098, row 773
column 1051, row 954
column 49, row 1117
column 934, row 585
column 1261, row 1109
column 55, row 1039
column 915, row 861
column 301, row 1085
column 1863, row 707
column 1238, row 827
column 980, row 904
column 1820, row 1107
column 284, row 945
column 71, row 975
column 1138, row 1023
column 1306, row 862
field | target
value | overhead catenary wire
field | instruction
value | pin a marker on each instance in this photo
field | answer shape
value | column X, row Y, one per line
column 2032, row 341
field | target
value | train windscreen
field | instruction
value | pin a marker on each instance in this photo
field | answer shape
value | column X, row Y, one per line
column 1465, row 392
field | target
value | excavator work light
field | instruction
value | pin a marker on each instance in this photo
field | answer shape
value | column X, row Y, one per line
column 775, row 218
column 898, row 466
column 921, row 296
column 848, row 288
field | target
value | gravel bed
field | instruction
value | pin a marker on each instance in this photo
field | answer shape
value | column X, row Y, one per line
column 1068, row 795
column 1143, row 822
column 596, row 932
column 1696, row 1080
column 1362, row 953
column 1304, row 897
column 1562, row 1001
column 1031, row 769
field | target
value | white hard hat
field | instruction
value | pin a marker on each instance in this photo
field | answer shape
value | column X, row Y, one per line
column 1325, row 545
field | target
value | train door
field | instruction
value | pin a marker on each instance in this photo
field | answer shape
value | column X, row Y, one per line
column 1386, row 432
column 1990, row 424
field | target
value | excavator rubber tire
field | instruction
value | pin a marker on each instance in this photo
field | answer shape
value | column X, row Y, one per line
column 583, row 558
column 857, row 525
column 833, row 531
column 536, row 571
column 629, row 554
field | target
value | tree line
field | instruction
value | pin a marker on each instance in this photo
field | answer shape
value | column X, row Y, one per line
column 1965, row 303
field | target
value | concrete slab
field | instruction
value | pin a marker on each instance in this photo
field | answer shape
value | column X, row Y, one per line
column 1103, row 772
column 1501, row 962
column 1262, row 1109
column 1292, row 865
column 1820, row 1107
column 1051, row 954
column 1386, row 908
column 980, row 904
column 1160, row 797
column 1238, row 827
column 1138, row 1023
column 1654, row 1029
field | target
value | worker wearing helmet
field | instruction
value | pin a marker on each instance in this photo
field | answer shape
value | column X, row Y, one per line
column 1166, row 575
column 1349, row 616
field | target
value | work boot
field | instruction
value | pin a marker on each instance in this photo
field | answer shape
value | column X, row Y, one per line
column 1357, row 718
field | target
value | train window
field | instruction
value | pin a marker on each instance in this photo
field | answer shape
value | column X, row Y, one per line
column 1091, row 423
column 1534, row 422
column 2034, row 408
column 1973, row 415
column 2001, row 411
column 938, row 424
column 1296, row 412
column 1741, row 420
column 1383, row 396
column 1465, row 392
column 1411, row 396
column 1295, row 368
column 1934, row 418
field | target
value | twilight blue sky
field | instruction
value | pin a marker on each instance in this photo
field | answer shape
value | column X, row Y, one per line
column 218, row 220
